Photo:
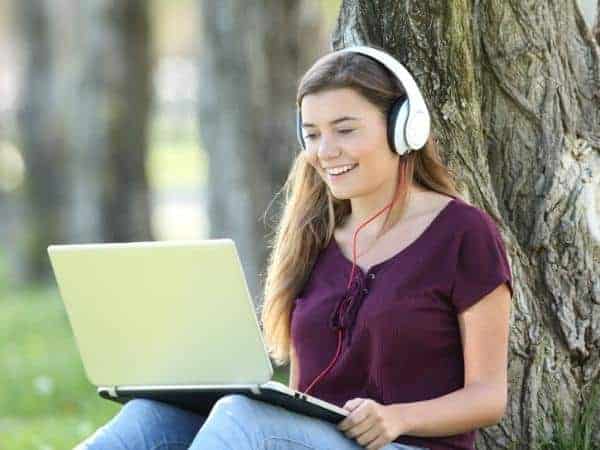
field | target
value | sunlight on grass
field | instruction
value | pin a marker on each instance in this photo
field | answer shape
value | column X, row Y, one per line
column 45, row 400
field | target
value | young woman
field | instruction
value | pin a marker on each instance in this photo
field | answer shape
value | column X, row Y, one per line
column 388, row 294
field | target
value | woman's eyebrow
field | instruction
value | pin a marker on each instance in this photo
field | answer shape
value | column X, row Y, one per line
column 333, row 122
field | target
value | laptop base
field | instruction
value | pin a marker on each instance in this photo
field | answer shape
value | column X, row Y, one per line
column 202, row 400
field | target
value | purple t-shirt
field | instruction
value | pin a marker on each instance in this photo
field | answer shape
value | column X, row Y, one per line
column 404, row 342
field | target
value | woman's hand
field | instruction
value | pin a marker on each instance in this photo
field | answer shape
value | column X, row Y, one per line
column 371, row 424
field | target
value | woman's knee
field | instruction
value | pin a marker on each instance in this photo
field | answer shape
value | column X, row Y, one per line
column 237, row 402
column 146, row 424
column 235, row 421
column 240, row 408
column 146, row 409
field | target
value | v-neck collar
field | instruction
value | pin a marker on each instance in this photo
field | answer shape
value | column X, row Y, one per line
column 405, row 250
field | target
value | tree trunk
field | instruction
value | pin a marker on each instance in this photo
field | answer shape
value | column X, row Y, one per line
column 596, row 30
column 110, row 109
column 252, row 56
column 43, row 142
column 514, row 90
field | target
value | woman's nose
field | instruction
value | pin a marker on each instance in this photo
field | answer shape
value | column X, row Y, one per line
column 327, row 148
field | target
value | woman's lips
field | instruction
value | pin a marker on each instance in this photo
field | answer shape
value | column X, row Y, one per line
column 341, row 175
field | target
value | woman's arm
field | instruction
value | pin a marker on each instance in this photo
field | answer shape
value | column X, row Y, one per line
column 474, row 406
column 293, row 381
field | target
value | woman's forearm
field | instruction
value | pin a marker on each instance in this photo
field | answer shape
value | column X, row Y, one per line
column 474, row 406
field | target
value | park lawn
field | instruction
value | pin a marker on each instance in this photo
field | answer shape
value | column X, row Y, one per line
column 46, row 402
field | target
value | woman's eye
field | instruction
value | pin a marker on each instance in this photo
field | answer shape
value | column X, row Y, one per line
column 312, row 136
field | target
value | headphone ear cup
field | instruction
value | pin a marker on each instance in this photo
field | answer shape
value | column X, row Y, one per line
column 299, row 128
column 397, row 126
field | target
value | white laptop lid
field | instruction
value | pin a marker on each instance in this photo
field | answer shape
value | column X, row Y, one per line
column 161, row 313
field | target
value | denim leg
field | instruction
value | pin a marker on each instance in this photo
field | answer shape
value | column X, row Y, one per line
column 237, row 422
column 146, row 425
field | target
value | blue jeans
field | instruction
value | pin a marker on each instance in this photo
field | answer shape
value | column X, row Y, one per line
column 235, row 422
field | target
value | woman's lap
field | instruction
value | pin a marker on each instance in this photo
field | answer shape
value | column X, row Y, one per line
column 235, row 422
column 148, row 425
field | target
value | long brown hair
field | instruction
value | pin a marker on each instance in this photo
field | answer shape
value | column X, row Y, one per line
column 310, row 212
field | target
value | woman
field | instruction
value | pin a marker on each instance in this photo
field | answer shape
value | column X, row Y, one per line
column 410, row 334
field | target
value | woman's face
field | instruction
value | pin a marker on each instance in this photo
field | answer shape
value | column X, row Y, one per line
column 341, row 128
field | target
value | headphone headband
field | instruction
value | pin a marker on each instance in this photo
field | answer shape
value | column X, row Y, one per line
column 417, row 125
column 418, row 122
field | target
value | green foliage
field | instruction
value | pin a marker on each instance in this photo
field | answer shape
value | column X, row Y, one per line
column 578, row 435
column 45, row 400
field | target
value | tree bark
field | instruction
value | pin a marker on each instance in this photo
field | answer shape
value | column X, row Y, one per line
column 251, row 58
column 514, row 91
column 597, row 26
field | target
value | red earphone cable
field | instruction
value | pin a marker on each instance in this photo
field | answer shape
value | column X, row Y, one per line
column 339, row 346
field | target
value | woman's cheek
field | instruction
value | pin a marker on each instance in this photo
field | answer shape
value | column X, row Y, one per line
column 359, row 148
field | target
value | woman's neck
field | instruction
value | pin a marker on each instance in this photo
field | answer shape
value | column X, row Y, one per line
column 360, row 214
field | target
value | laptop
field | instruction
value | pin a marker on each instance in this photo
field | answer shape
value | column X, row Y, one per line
column 171, row 321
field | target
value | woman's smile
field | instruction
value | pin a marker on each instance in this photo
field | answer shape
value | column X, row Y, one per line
column 339, row 172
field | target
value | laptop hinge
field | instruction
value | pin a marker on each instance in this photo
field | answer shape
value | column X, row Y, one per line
column 255, row 389
column 112, row 391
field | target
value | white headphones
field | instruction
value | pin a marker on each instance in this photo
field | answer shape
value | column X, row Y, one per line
column 409, row 122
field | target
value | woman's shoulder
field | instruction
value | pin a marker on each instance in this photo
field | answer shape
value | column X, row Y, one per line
column 462, row 215
column 471, row 218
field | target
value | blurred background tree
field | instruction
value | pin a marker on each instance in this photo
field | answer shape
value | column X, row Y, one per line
column 252, row 56
column 83, row 119
column 100, row 121
column 103, row 122
column 42, row 137
column 109, row 121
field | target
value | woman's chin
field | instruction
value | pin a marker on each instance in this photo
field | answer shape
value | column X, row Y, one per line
column 341, row 194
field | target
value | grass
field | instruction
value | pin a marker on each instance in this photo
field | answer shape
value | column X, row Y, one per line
column 46, row 403
column 45, row 400
column 577, row 435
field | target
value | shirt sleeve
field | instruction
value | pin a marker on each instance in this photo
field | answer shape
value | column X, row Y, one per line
column 482, row 263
